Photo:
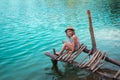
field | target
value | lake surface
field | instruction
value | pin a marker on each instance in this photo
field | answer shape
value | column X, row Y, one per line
column 29, row 28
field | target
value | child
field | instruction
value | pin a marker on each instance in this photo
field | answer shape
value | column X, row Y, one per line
column 73, row 45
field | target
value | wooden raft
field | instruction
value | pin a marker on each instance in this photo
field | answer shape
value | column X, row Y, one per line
column 93, row 64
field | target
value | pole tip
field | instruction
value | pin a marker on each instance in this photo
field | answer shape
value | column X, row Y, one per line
column 88, row 11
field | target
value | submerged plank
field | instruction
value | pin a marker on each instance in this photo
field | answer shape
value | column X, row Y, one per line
column 117, row 74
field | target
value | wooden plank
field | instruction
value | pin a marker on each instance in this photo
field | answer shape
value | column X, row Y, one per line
column 75, row 56
column 98, row 67
column 81, row 62
column 95, row 57
column 68, row 56
column 60, row 57
column 51, row 55
column 77, row 51
column 95, row 60
column 98, row 72
column 117, row 74
column 96, row 63
column 105, row 75
column 89, row 60
column 112, row 61
column 64, row 56
column 102, row 62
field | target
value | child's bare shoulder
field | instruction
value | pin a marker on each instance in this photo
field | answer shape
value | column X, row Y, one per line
column 74, row 36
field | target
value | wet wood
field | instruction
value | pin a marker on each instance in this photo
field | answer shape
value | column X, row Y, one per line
column 112, row 61
column 81, row 62
column 94, row 58
column 98, row 67
column 117, row 74
column 98, row 61
column 101, row 64
column 91, row 60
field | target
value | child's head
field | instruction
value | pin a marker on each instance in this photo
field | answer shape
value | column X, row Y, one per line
column 69, row 31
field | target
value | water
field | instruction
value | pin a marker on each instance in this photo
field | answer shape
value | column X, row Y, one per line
column 29, row 28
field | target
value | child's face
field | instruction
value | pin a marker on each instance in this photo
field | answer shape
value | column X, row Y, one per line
column 69, row 33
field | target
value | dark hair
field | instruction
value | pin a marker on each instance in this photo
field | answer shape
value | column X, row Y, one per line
column 71, row 30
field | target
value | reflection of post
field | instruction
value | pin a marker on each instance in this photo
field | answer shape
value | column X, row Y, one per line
column 91, row 31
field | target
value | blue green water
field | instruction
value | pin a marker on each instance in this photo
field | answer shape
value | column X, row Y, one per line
column 29, row 28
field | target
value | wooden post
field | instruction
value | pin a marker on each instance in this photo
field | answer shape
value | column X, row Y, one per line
column 54, row 62
column 91, row 31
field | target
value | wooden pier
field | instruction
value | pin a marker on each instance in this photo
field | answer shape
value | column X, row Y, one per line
column 94, row 63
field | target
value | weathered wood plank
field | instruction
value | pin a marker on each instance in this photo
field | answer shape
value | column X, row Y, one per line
column 117, row 74
column 101, row 64
column 77, row 53
column 81, row 62
column 63, row 54
column 94, row 58
column 89, row 62
column 96, row 63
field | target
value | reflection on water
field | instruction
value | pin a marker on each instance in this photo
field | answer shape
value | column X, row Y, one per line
column 29, row 28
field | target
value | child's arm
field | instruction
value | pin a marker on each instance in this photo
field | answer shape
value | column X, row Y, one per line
column 74, row 42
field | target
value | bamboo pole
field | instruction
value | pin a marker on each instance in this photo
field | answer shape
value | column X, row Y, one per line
column 91, row 30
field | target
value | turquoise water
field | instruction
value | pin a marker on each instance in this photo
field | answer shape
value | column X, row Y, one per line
column 29, row 28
